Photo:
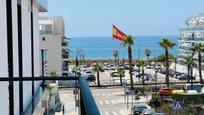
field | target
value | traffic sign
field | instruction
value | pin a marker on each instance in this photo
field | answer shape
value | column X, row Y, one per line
column 132, row 92
column 178, row 105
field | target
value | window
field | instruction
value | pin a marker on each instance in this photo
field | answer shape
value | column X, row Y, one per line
column 43, row 39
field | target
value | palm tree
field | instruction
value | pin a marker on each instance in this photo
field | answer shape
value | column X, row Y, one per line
column 166, row 43
column 147, row 53
column 142, row 65
column 97, row 68
column 190, row 63
column 155, row 102
column 129, row 41
column 115, row 54
column 199, row 48
column 121, row 72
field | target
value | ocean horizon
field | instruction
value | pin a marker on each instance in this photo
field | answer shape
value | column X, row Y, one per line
column 102, row 47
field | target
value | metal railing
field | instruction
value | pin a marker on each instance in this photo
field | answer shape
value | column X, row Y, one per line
column 87, row 102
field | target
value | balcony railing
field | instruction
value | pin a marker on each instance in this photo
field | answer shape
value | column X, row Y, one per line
column 64, row 44
column 65, row 56
column 87, row 103
column 46, row 31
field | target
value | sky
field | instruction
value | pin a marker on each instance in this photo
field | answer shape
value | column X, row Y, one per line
column 90, row 18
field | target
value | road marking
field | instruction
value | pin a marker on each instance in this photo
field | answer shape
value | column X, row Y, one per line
column 109, row 94
column 100, row 102
column 107, row 102
column 107, row 113
column 112, row 101
column 114, row 113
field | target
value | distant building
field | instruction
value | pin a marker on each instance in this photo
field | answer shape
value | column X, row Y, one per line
column 191, row 35
column 20, row 54
column 55, row 44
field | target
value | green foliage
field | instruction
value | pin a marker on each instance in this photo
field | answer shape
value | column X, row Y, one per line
column 190, row 111
column 120, row 71
column 128, row 41
column 189, row 98
column 189, row 61
column 166, row 43
column 137, row 96
column 53, row 73
column 198, row 48
column 97, row 67
column 155, row 102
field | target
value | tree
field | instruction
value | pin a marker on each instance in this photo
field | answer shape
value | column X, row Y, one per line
column 121, row 72
column 147, row 53
column 54, row 74
column 199, row 48
column 142, row 65
column 190, row 63
column 115, row 55
column 155, row 102
column 166, row 43
column 129, row 41
column 137, row 96
column 190, row 111
column 98, row 68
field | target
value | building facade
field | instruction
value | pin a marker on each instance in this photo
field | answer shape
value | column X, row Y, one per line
column 20, row 52
column 191, row 35
column 55, row 44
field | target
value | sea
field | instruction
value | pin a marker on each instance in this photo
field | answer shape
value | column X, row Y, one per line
column 102, row 47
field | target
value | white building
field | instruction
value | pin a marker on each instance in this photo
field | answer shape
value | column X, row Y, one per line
column 20, row 52
column 53, row 40
column 191, row 35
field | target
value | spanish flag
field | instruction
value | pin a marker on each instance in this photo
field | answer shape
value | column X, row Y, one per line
column 118, row 34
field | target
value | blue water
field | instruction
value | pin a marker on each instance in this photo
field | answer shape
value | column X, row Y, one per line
column 102, row 47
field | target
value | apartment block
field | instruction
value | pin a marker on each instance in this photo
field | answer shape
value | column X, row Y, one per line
column 55, row 44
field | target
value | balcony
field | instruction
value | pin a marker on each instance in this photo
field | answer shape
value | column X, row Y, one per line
column 87, row 103
column 64, row 44
column 46, row 32
column 42, row 5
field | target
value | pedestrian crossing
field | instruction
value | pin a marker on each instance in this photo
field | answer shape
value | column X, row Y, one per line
column 120, row 112
column 107, row 102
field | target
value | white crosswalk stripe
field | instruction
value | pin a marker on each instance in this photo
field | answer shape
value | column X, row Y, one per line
column 107, row 113
column 107, row 102
column 100, row 102
column 122, row 112
column 112, row 101
column 114, row 113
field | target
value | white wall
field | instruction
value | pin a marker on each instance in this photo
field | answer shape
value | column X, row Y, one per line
column 37, row 62
column 26, row 46
column 54, row 50
column 15, row 55
column 4, row 102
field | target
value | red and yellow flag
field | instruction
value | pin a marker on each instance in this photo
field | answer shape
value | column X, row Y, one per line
column 118, row 34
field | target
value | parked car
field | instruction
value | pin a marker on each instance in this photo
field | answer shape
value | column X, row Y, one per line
column 115, row 74
column 165, row 92
column 91, row 78
column 148, row 112
column 137, row 109
column 162, row 71
column 182, row 77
